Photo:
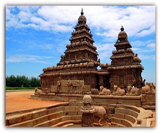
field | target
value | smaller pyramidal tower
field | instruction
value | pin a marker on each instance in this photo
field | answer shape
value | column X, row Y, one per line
column 125, row 68
column 79, row 61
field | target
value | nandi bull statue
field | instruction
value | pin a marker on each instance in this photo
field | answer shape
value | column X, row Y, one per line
column 104, row 91
column 89, row 112
column 132, row 91
column 37, row 91
column 100, row 113
column 118, row 91
column 149, row 88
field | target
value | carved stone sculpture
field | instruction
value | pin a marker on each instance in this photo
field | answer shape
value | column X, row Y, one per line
column 87, row 111
column 149, row 88
column 104, row 91
column 118, row 91
column 58, row 86
column 100, row 112
column 69, row 84
column 37, row 91
column 132, row 91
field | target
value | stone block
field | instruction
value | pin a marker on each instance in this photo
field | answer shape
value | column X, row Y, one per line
column 150, row 97
column 35, row 114
column 23, row 124
column 119, row 115
column 119, row 110
column 64, row 118
column 131, row 112
column 53, row 88
column 46, row 124
column 79, row 113
column 73, row 103
column 132, row 108
column 130, row 118
column 126, row 123
column 87, row 88
column 59, row 119
column 53, row 121
column 64, row 88
column 27, row 117
column 70, row 113
column 72, row 98
column 55, row 109
column 62, row 98
column 14, row 120
column 76, row 117
column 40, row 120
column 55, row 115
column 71, row 108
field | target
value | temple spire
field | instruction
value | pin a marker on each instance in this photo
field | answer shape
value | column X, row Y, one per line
column 122, row 29
column 82, row 11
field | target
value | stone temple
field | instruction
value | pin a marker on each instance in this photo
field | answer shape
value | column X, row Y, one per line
column 80, row 62
column 112, row 96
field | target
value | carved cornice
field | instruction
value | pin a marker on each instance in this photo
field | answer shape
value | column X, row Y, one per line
column 67, row 73
column 126, row 67
column 81, row 49
column 121, row 56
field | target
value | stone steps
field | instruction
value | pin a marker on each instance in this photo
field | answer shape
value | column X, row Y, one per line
column 36, row 117
column 37, row 120
column 126, row 111
column 66, row 123
column 114, row 124
column 125, row 116
column 44, row 117
column 60, row 121
column 121, row 121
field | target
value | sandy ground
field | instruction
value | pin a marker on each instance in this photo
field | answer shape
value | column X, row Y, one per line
column 20, row 100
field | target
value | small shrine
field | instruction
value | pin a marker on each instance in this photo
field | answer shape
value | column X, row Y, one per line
column 125, row 68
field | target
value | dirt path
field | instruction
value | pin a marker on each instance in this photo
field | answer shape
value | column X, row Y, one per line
column 20, row 100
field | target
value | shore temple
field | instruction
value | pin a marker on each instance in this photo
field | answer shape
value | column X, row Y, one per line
column 80, row 62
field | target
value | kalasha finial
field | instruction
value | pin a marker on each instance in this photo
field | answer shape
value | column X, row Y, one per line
column 82, row 11
column 122, row 29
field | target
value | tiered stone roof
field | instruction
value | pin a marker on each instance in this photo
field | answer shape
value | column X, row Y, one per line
column 80, row 55
column 123, row 57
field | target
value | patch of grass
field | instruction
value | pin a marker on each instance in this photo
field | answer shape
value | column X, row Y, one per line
column 21, row 88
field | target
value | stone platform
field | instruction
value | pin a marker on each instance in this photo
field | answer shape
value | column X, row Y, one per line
column 146, row 101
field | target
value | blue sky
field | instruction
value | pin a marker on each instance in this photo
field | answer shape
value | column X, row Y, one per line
column 36, row 36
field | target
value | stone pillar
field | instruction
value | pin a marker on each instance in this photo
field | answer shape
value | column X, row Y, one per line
column 87, row 112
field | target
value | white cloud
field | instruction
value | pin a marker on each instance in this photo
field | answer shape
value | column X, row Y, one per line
column 145, row 57
column 27, row 58
column 143, row 43
column 23, row 16
column 147, row 31
column 105, row 51
column 151, row 45
column 137, row 20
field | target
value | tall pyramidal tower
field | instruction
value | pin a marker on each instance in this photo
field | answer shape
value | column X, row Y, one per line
column 125, row 68
column 79, row 61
